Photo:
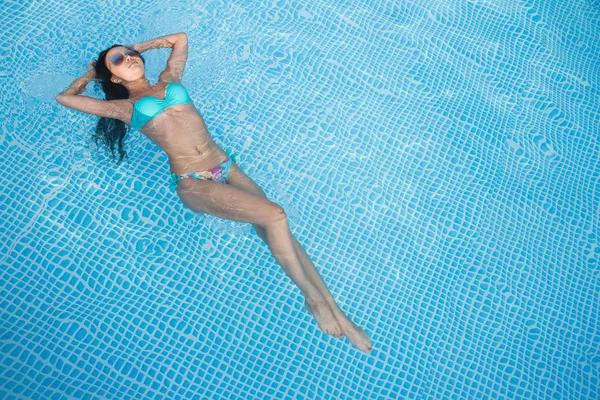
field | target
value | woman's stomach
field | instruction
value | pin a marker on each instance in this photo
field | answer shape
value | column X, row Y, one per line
column 195, row 156
column 183, row 135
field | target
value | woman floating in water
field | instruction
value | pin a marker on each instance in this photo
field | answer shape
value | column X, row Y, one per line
column 206, row 180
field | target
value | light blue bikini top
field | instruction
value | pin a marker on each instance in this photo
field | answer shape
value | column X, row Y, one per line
column 146, row 108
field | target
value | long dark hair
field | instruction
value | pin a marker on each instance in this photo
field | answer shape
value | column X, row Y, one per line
column 110, row 130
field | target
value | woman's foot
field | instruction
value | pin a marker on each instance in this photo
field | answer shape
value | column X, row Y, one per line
column 357, row 336
column 338, row 326
column 327, row 322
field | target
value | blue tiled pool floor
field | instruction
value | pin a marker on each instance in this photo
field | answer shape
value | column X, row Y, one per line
column 437, row 160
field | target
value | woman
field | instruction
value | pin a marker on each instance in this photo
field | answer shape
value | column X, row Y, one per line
column 205, row 178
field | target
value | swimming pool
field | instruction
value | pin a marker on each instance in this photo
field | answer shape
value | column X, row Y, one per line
column 437, row 160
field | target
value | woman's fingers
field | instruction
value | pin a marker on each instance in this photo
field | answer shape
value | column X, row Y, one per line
column 92, row 69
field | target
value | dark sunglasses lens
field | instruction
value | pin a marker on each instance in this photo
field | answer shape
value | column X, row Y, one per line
column 117, row 59
column 131, row 52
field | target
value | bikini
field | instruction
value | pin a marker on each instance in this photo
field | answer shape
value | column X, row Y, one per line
column 146, row 108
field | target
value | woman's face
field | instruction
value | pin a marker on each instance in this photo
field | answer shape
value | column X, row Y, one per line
column 128, row 67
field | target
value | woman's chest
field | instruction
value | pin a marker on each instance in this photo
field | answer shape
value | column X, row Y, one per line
column 175, row 125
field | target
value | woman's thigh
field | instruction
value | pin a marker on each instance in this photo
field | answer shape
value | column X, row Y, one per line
column 227, row 201
column 238, row 179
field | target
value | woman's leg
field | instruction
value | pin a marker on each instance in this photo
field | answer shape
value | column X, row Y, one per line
column 311, row 272
column 358, row 337
column 225, row 201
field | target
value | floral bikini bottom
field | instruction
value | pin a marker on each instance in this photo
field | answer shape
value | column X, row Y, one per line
column 220, row 173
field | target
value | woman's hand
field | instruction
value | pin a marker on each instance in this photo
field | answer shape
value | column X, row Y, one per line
column 91, row 72
column 135, row 47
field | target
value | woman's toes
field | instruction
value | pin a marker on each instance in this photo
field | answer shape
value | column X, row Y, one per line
column 336, row 332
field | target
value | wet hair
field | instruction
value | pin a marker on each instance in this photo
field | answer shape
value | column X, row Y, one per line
column 111, row 131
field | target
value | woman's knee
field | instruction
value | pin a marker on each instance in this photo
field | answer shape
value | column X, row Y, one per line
column 278, row 211
column 276, row 215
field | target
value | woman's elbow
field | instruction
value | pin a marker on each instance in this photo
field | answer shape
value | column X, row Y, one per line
column 64, row 100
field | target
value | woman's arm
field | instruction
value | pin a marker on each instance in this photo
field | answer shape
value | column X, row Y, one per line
column 104, row 108
column 159, row 43
column 78, row 86
column 179, row 53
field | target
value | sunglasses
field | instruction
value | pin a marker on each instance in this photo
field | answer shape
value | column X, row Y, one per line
column 118, row 58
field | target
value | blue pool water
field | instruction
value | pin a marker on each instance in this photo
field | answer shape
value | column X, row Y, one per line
column 439, row 162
